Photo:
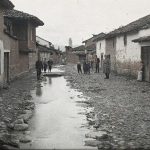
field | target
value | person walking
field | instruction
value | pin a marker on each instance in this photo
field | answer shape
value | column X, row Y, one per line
column 45, row 65
column 84, row 67
column 79, row 67
column 88, row 67
column 106, row 66
column 50, row 63
column 97, row 65
column 38, row 67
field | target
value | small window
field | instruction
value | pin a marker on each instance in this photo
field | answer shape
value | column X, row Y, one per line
column 100, row 46
column 32, row 34
column 125, row 40
column 113, row 43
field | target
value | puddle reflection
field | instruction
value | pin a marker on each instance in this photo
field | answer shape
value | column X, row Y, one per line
column 58, row 123
column 38, row 90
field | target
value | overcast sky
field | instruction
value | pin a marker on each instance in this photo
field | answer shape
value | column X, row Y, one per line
column 79, row 19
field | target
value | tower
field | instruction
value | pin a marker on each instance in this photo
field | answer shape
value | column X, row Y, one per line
column 70, row 42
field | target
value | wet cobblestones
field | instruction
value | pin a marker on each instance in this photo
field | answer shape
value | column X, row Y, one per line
column 122, row 105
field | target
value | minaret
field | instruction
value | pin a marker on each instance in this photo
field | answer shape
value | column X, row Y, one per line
column 70, row 42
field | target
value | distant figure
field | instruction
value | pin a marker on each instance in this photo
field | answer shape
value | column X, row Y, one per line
column 84, row 67
column 97, row 65
column 88, row 66
column 106, row 66
column 45, row 65
column 39, row 67
column 79, row 67
column 92, row 63
column 50, row 63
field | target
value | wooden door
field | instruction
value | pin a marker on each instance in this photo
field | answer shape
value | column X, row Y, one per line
column 145, row 56
column 6, row 66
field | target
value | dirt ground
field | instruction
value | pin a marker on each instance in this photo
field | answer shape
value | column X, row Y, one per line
column 121, row 104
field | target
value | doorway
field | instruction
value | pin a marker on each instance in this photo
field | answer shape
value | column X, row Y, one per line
column 6, row 67
column 145, row 57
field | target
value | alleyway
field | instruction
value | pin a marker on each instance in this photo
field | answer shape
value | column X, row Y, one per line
column 78, row 110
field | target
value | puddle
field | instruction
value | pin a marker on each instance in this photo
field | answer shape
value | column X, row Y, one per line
column 58, row 122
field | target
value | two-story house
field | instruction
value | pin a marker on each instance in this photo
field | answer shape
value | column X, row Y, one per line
column 4, row 53
column 20, row 29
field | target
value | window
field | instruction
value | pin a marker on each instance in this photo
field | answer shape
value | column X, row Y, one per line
column 32, row 34
column 8, row 25
column 125, row 39
column 100, row 46
column 113, row 43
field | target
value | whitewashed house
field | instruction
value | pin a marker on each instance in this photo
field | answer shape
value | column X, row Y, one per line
column 128, row 46
column 100, row 47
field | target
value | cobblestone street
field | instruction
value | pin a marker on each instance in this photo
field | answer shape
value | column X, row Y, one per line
column 16, row 109
column 122, row 106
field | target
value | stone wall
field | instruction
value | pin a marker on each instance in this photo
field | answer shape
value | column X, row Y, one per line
column 72, row 58
column 129, row 68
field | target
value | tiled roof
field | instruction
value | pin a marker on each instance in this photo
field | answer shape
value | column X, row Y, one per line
column 79, row 48
column 91, row 47
column 142, row 39
column 15, row 14
column 143, row 22
column 94, row 37
column 99, row 37
column 45, row 47
column 7, row 4
column 79, row 52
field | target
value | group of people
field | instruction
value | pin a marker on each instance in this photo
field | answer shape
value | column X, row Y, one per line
column 43, row 66
column 88, row 65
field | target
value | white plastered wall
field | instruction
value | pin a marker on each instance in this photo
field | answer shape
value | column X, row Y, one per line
column 101, row 49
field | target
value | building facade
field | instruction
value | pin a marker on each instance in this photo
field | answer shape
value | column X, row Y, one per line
column 20, row 31
column 47, row 51
column 128, row 47
column 4, row 51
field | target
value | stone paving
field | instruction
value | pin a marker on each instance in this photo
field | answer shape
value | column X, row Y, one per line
column 121, row 106
column 16, row 109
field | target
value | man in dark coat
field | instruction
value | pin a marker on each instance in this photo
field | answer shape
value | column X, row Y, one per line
column 97, row 65
column 84, row 67
column 79, row 67
column 39, row 67
column 45, row 65
column 106, row 66
column 50, row 63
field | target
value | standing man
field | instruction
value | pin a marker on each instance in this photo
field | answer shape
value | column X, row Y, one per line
column 79, row 67
column 97, row 65
column 39, row 67
column 45, row 65
column 50, row 63
column 106, row 66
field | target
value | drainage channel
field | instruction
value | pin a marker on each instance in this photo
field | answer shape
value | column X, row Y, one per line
column 59, row 122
